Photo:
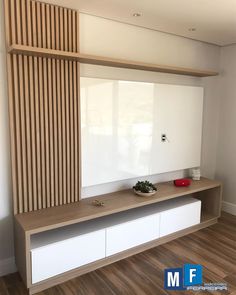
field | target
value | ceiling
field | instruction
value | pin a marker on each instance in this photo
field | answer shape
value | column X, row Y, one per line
column 214, row 21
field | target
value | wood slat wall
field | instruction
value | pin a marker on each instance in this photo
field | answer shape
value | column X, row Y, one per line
column 44, row 106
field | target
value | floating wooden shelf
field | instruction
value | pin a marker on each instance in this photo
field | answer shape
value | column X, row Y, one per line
column 106, row 61
column 55, row 217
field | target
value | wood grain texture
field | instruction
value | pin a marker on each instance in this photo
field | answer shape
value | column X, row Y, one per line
column 42, row 95
column 107, row 61
column 55, row 217
column 213, row 247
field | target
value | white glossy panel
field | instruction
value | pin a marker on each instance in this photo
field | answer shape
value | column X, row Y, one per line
column 130, row 234
column 178, row 114
column 117, row 128
column 56, row 258
column 122, row 123
column 180, row 218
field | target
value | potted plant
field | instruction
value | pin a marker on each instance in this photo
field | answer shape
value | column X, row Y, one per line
column 144, row 188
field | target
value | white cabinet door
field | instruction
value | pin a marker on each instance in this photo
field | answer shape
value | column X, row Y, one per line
column 180, row 218
column 178, row 114
column 130, row 234
column 56, row 258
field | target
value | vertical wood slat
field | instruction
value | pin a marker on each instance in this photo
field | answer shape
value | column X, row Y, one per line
column 76, row 116
column 71, row 127
column 79, row 168
column 43, row 106
column 40, row 19
column 68, row 192
column 21, row 29
column 26, row 40
column 77, row 31
column 32, row 25
column 63, row 117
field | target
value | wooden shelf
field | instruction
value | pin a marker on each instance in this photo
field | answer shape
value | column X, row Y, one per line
column 55, row 217
column 106, row 61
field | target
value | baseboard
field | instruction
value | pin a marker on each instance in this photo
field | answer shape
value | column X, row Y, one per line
column 7, row 266
column 229, row 207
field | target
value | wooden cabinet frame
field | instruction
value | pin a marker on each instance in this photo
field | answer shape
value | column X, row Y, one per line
column 28, row 224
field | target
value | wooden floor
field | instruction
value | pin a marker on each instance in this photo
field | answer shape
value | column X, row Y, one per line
column 142, row 274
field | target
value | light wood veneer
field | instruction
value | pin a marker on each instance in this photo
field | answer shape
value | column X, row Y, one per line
column 107, row 61
column 50, row 218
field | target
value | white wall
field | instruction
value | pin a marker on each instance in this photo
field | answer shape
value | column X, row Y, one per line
column 109, row 38
column 6, row 229
column 226, row 153
column 104, row 37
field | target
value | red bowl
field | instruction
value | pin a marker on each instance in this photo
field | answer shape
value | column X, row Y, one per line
column 182, row 182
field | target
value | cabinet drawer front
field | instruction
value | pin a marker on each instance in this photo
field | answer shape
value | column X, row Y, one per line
column 179, row 218
column 130, row 234
column 54, row 259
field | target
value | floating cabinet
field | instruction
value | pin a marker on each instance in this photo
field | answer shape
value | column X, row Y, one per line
column 130, row 234
column 57, row 244
column 59, row 257
column 180, row 217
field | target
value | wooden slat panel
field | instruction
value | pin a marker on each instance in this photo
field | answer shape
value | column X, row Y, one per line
column 52, row 20
column 68, row 161
column 59, row 94
column 54, row 110
column 37, row 110
column 33, row 131
column 29, row 26
column 61, row 19
column 74, row 31
column 43, row 20
column 69, row 31
column 63, row 117
column 65, row 30
column 57, row 28
column 43, row 105
column 72, row 130
column 23, row 133
column 79, row 179
column 28, row 134
column 76, row 116
column 77, row 31
column 51, row 141
column 54, row 103
column 31, row 14
column 16, row 114
column 38, row 24
column 48, row 26
column 47, row 135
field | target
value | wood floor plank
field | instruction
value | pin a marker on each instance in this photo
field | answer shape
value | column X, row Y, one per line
column 143, row 274
column 3, row 289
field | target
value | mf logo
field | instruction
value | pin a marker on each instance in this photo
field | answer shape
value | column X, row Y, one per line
column 180, row 278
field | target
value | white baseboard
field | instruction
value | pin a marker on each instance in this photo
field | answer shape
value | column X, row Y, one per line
column 229, row 207
column 7, row 266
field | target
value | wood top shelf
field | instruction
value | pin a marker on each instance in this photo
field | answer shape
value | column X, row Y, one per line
column 55, row 217
column 106, row 61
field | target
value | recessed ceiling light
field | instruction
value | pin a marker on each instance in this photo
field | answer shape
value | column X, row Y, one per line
column 136, row 14
column 192, row 29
